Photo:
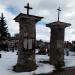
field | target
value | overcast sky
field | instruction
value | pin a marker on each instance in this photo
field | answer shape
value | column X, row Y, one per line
column 43, row 8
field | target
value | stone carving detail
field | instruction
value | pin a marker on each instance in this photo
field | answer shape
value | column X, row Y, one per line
column 59, row 43
column 29, row 43
column 25, row 43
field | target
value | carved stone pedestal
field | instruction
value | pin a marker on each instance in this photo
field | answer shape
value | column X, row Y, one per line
column 57, row 43
column 27, row 38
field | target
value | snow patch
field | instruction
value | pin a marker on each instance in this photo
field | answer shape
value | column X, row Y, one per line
column 9, row 59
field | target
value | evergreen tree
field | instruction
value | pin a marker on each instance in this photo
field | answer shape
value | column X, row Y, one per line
column 3, row 28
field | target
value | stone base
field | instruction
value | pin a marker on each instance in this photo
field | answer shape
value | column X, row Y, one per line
column 24, row 68
column 58, row 65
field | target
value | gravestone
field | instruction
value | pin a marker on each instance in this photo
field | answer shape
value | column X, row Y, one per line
column 26, row 53
column 57, row 42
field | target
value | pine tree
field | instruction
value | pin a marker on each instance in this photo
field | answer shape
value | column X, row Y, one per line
column 3, row 28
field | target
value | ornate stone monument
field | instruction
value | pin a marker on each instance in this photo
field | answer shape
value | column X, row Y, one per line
column 27, row 39
column 57, row 42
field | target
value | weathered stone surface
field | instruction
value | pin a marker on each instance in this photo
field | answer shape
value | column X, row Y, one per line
column 26, row 53
column 57, row 43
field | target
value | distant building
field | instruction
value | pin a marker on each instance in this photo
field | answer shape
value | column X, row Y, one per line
column 73, row 43
column 68, row 44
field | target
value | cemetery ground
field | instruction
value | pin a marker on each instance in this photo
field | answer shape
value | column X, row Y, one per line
column 9, row 59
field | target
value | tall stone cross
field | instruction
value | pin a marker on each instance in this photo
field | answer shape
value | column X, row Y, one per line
column 28, row 8
column 59, row 13
column 57, row 42
column 27, row 39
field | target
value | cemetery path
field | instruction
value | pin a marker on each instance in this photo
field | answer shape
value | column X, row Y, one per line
column 66, row 71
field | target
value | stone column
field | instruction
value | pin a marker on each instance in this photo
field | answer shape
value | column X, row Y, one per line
column 57, row 42
column 26, row 53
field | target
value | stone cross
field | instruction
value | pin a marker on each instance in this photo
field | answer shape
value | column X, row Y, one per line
column 58, row 12
column 27, row 7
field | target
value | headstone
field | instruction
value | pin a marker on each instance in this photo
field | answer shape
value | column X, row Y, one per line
column 26, row 53
column 57, row 42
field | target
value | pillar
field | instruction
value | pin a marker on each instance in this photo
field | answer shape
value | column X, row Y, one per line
column 57, row 43
column 26, row 53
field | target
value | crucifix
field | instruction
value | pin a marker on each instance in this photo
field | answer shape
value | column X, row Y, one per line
column 28, row 8
column 58, row 12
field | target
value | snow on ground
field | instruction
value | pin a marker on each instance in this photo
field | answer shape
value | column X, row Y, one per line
column 70, row 60
column 43, row 68
column 9, row 59
column 72, row 53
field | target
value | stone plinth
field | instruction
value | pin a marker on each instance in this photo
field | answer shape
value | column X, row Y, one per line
column 26, row 53
column 57, row 42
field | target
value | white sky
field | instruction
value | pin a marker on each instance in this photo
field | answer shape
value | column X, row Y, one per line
column 44, row 8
